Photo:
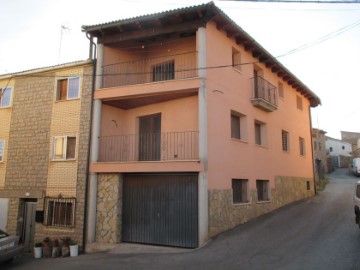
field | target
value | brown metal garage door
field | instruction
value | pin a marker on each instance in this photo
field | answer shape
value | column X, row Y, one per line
column 161, row 209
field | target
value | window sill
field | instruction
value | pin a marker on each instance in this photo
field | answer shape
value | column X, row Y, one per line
column 7, row 107
column 62, row 160
column 261, row 202
column 262, row 146
column 64, row 100
column 239, row 140
column 242, row 204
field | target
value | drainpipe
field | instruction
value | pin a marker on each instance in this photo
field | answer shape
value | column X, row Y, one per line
column 92, row 55
column 312, row 150
column 203, row 154
column 94, row 153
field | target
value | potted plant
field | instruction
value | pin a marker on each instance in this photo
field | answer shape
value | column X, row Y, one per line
column 65, row 251
column 46, row 247
column 74, row 248
column 37, row 250
column 56, row 249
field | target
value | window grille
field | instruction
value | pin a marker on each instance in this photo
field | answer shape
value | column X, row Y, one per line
column 59, row 212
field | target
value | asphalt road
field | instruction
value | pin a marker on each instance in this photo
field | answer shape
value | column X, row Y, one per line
column 318, row 233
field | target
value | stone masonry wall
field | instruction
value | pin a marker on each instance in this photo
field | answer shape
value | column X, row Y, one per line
column 61, row 176
column 224, row 215
column 29, row 133
column 109, row 208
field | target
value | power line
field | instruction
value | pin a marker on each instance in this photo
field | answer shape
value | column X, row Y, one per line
column 322, row 39
column 296, row 1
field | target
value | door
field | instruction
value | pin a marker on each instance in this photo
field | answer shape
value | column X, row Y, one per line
column 29, row 225
column 149, row 137
column 161, row 209
column 4, row 204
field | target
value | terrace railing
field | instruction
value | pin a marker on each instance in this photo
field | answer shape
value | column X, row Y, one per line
column 150, row 147
column 169, row 67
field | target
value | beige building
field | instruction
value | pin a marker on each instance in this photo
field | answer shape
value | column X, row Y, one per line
column 320, row 157
column 354, row 139
column 44, row 136
column 196, row 129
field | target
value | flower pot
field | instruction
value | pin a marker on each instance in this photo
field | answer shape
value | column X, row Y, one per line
column 37, row 252
column 74, row 250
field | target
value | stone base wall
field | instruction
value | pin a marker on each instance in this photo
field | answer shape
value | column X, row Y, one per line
column 109, row 209
column 224, row 215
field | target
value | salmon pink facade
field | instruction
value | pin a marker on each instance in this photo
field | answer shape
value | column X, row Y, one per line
column 196, row 129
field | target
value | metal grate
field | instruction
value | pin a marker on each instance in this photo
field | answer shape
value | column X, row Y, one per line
column 60, row 212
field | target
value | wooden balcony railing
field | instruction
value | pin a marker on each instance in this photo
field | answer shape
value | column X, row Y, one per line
column 150, row 147
column 170, row 67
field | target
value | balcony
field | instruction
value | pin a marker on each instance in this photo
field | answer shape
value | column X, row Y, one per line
column 264, row 95
column 170, row 146
column 164, row 68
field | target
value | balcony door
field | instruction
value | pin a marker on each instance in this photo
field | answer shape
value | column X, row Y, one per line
column 149, row 137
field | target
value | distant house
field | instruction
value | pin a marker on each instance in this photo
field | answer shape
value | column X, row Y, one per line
column 354, row 139
column 320, row 157
column 196, row 129
column 44, row 137
column 339, row 151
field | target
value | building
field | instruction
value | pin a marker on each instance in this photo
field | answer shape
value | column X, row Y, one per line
column 320, row 157
column 200, row 129
column 354, row 139
column 339, row 151
column 44, row 138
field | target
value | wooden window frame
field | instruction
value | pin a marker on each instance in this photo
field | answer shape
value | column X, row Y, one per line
column 263, row 190
column 63, row 89
column 281, row 90
column 302, row 146
column 299, row 103
column 240, row 191
column 63, row 151
column 236, row 59
column 285, row 139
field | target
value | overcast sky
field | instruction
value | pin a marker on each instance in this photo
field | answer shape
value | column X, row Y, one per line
column 40, row 33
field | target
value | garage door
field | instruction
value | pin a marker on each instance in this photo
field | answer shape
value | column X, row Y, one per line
column 161, row 209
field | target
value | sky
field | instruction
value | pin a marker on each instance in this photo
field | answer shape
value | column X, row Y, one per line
column 41, row 33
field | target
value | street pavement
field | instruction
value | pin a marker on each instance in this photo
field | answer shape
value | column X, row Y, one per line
column 317, row 233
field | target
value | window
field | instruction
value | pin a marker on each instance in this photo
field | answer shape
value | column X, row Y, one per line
column 235, row 126
column 63, row 148
column 262, row 187
column 331, row 149
column 5, row 97
column 67, row 89
column 315, row 146
column 281, row 90
column 299, row 103
column 343, row 147
column 2, row 149
column 285, row 140
column 319, row 146
column 260, row 133
column 240, row 190
column 164, row 71
column 308, row 187
column 238, row 126
column 236, row 59
column 59, row 212
column 302, row 146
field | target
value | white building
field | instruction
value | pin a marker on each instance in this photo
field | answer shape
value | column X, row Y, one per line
column 340, row 151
